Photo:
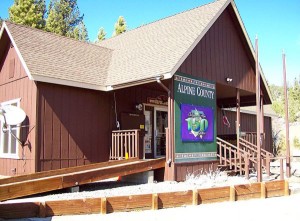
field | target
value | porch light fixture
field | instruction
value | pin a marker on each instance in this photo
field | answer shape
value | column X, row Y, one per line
column 139, row 107
column 228, row 80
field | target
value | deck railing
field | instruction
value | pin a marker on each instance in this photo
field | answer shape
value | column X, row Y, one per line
column 125, row 144
column 250, row 137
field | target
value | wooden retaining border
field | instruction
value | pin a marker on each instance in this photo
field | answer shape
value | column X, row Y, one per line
column 145, row 201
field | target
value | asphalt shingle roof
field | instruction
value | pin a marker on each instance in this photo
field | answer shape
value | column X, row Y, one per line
column 155, row 49
column 54, row 56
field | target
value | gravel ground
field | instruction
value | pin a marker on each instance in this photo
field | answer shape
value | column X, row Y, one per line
column 202, row 180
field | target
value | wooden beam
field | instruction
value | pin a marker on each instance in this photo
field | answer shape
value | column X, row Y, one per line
column 29, row 187
column 238, row 117
column 51, row 173
column 258, row 142
column 287, row 128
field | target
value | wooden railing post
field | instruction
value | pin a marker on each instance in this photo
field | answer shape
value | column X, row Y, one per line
column 246, row 167
column 137, row 140
column 281, row 169
column 268, row 165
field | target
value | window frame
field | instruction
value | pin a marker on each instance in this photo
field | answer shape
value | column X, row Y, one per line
column 9, row 154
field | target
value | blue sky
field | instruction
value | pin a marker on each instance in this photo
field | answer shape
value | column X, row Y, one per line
column 276, row 22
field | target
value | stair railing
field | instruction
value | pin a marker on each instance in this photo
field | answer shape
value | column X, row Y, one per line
column 235, row 158
column 251, row 148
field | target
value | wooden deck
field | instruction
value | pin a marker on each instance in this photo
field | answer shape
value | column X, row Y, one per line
column 25, row 185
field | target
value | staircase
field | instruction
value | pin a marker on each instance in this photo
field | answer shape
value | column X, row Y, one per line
column 241, row 160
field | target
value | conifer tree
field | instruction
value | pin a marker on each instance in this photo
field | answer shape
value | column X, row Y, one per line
column 28, row 12
column 80, row 32
column 101, row 35
column 63, row 17
column 120, row 26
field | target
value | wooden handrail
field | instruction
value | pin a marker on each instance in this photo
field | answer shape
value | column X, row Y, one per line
column 254, row 148
column 229, row 154
column 125, row 144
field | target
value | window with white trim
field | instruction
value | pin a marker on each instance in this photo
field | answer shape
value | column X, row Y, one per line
column 8, row 134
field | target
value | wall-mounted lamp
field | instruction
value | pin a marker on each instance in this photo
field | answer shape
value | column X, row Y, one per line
column 139, row 107
column 228, row 80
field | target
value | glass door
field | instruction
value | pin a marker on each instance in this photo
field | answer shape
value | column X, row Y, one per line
column 160, row 124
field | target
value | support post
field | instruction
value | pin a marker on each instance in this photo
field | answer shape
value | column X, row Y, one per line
column 286, row 110
column 258, row 118
column 238, row 118
column 170, row 147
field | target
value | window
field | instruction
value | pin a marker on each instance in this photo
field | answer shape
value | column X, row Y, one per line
column 8, row 141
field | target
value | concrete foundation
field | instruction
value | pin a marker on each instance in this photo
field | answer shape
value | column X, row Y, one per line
column 140, row 178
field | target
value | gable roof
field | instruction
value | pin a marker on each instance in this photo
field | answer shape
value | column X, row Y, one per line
column 135, row 57
column 69, row 62
column 156, row 49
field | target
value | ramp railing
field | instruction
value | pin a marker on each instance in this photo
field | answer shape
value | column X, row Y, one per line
column 124, row 145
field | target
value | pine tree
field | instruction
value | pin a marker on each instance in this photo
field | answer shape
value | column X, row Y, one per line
column 80, row 32
column 1, row 20
column 120, row 26
column 101, row 35
column 63, row 17
column 28, row 12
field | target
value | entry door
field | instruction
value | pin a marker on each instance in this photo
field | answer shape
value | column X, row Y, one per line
column 160, row 124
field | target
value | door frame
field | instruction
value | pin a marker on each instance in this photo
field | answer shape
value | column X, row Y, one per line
column 155, row 108
column 164, row 109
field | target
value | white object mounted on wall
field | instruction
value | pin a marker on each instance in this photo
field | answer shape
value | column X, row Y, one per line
column 12, row 115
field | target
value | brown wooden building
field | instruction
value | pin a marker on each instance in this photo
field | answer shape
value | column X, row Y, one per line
column 76, row 94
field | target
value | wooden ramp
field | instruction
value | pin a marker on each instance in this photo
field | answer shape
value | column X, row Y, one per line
column 25, row 185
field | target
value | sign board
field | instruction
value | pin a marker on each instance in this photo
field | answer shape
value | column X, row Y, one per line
column 195, row 114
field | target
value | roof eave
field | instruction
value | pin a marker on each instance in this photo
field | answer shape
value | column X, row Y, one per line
column 241, row 23
column 4, row 26
column 64, row 82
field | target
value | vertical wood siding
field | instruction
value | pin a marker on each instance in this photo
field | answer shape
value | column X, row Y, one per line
column 75, row 124
column 248, row 124
column 221, row 53
column 14, row 84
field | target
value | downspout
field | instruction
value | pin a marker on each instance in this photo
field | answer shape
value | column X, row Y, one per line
column 162, row 85
column 158, row 80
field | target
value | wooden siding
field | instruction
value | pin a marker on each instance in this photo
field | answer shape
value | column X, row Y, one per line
column 248, row 124
column 221, row 53
column 75, row 124
column 14, row 84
